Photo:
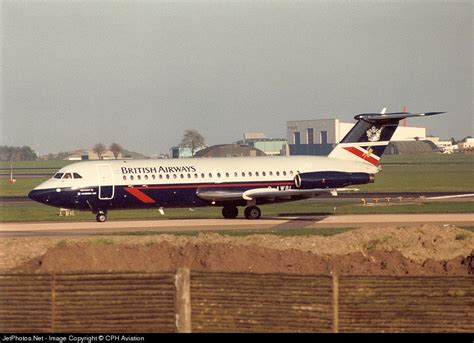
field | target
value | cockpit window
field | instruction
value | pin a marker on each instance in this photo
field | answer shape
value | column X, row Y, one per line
column 77, row 176
column 67, row 176
column 58, row 175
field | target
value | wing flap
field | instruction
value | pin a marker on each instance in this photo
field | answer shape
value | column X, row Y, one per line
column 275, row 193
column 220, row 195
column 269, row 193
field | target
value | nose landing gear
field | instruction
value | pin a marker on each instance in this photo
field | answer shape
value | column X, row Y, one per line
column 101, row 216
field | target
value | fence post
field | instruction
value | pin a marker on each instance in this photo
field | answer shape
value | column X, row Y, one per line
column 183, row 300
column 53, row 302
column 335, row 303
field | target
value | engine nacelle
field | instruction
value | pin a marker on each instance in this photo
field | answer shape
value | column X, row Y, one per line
column 331, row 179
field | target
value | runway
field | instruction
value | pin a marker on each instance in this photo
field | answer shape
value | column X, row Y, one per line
column 271, row 223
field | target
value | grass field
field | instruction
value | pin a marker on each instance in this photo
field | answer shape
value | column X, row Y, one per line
column 21, row 187
column 39, row 212
column 56, row 164
column 428, row 158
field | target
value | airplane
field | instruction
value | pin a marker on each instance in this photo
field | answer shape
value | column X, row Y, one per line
column 228, row 182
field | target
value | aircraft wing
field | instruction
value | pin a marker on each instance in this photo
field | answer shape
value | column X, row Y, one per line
column 269, row 193
column 220, row 195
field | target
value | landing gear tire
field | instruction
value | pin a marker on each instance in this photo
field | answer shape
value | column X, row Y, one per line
column 101, row 217
column 252, row 212
column 230, row 212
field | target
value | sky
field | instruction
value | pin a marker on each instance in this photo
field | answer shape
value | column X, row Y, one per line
column 75, row 73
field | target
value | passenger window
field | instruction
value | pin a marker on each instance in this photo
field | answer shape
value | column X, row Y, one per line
column 263, row 174
column 270, row 173
column 146, row 177
column 189, row 176
column 250, row 173
column 210, row 174
column 243, row 174
column 181, row 176
column 67, row 176
column 174, row 176
column 153, row 176
column 277, row 173
column 196, row 176
column 58, row 175
column 167, row 176
column 256, row 173
column 291, row 172
column 284, row 172
column 77, row 176
column 218, row 174
column 226, row 174
column 131, row 177
column 235, row 174
column 139, row 177
column 160, row 176
column 125, row 177
column 202, row 175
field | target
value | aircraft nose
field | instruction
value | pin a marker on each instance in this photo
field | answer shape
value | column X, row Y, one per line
column 39, row 195
column 33, row 195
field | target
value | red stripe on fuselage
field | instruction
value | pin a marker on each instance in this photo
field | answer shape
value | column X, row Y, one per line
column 218, row 185
column 136, row 190
column 140, row 195
column 362, row 155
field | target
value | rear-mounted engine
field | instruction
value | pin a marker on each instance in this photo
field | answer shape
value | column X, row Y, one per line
column 331, row 179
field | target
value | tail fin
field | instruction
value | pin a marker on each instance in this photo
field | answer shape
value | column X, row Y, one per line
column 367, row 140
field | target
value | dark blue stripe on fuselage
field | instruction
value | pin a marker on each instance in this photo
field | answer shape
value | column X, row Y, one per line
column 176, row 195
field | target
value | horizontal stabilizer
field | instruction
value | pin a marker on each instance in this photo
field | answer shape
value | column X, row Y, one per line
column 394, row 115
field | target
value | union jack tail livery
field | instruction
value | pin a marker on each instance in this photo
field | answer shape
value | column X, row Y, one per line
column 367, row 140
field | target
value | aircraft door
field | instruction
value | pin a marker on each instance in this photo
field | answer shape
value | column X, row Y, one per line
column 106, row 181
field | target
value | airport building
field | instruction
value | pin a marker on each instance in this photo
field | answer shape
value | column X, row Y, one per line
column 229, row 150
column 270, row 146
column 182, row 152
column 86, row 155
column 467, row 145
column 443, row 146
column 318, row 136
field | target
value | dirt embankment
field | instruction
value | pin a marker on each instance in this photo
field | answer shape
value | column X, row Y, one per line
column 414, row 250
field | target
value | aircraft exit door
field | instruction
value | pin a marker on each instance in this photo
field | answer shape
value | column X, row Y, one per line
column 106, row 181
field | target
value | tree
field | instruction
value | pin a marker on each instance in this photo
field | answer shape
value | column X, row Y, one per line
column 15, row 153
column 99, row 149
column 116, row 149
column 192, row 139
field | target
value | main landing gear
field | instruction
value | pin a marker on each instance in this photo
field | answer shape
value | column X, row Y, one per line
column 251, row 212
column 101, row 216
column 230, row 212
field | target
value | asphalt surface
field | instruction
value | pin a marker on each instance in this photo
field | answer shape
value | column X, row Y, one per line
column 87, row 228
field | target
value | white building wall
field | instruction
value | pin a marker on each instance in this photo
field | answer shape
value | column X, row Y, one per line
column 318, row 125
column 336, row 131
column 408, row 133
